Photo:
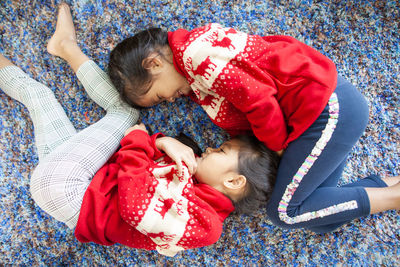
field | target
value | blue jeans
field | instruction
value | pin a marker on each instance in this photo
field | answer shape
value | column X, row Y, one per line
column 306, row 193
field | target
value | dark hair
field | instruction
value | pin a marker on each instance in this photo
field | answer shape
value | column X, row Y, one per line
column 259, row 165
column 184, row 139
column 125, row 66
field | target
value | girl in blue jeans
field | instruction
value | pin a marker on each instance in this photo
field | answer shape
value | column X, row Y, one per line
column 306, row 193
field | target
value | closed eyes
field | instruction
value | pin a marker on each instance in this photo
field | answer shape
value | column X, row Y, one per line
column 221, row 149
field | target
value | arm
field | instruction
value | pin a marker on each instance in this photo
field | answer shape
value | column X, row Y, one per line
column 134, row 159
column 217, row 65
column 283, row 87
column 257, row 101
column 176, row 150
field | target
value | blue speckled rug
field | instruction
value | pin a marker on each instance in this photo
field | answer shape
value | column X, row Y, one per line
column 362, row 37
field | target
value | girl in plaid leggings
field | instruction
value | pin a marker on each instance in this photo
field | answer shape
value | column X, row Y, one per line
column 90, row 149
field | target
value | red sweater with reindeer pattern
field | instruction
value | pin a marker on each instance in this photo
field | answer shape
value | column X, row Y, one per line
column 274, row 86
column 139, row 200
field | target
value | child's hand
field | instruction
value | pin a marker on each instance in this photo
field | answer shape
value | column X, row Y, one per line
column 136, row 127
column 178, row 152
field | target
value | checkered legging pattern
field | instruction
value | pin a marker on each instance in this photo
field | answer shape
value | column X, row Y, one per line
column 68, row 159
column 52, row 126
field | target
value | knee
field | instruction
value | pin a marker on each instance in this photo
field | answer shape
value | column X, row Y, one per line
column 37, row 183
column 279, row 218
column 42, row 182
column 354, row 104
column 363, row 112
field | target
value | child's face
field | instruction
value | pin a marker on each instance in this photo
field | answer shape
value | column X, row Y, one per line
column 168, row 84
column 218, row 163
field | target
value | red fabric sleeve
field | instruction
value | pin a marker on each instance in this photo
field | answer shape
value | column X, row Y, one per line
column 279, row 83
column 134, row 180
column 256, row 98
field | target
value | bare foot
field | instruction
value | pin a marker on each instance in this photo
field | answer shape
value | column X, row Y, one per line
column 384, row 198
column 64, row 37
column 391, row 180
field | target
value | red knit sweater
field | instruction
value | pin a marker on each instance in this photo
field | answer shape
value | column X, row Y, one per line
column 142, row 203
column 275, row 86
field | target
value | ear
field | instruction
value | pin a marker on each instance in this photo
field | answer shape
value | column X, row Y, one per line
column 153, row 63
column 235, row 181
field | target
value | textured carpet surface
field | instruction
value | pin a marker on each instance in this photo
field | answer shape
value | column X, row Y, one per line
column 362, row 37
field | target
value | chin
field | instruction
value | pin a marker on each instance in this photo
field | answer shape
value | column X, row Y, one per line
column 187, row 91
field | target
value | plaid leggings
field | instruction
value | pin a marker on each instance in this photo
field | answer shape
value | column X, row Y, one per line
column 68, row 159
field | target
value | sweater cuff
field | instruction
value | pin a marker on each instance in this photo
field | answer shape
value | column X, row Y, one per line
column 134, row 135
column 157, row 152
